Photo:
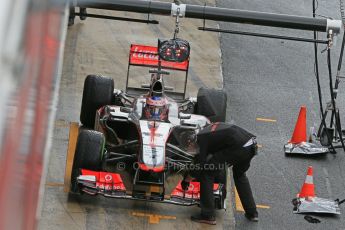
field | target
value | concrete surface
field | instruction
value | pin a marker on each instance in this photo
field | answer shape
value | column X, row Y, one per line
column 269, row 78
column 98, row 46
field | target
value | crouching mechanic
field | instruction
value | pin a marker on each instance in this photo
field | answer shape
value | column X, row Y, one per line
column 220, row 145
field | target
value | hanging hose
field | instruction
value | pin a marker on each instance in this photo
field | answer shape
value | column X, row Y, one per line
column 342, row 13
column 317, row 75
column 316, row 65
column 336, row 114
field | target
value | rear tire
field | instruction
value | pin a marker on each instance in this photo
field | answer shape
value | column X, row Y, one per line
column 211, row 103
column 98, row 91
column 88, row 155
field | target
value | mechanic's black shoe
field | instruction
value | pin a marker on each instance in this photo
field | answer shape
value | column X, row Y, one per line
column 82, row 13
column 70, row 21
column 252, row 217
column 204, row 219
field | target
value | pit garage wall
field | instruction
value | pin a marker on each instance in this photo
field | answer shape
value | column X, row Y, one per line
column 30, row 38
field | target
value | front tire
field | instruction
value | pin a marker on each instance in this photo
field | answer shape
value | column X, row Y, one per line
column 88, row 155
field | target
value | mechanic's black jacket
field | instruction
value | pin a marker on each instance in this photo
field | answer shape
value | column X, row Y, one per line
column 222, row 139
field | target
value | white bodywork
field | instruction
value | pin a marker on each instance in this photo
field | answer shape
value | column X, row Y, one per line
column 154, row 136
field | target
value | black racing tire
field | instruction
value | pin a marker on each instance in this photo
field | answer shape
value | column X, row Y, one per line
column 88, row 155
column 211, row 103
column 98, row 91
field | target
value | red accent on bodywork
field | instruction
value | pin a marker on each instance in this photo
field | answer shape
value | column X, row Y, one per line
column 193, row 191
column 152, row 134
column 148, row 56
column 149, row 168
column 106, row 180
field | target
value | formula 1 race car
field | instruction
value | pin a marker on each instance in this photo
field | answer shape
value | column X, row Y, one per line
column 149, row 131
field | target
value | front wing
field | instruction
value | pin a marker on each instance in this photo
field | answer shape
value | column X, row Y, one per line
column 111, row 185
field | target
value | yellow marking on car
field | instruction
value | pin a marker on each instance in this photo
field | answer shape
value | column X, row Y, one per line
column 53, row 184
column 72, row 142
column 239, row 206
column 260, row 146
column 265, row 119
column 153, row 218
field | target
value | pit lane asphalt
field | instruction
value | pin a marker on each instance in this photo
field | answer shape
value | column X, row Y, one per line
column 270, row 78
column 101, row 47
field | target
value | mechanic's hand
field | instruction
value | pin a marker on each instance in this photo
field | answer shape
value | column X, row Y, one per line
column 184, row 185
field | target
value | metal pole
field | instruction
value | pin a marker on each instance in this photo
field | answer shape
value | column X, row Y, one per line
column 216, row 14
column 263, row 35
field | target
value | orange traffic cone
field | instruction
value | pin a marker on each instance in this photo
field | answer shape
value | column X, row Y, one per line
column 300, row 132
column 308, row 188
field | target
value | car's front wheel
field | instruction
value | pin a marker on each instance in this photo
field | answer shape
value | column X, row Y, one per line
column 88, row 155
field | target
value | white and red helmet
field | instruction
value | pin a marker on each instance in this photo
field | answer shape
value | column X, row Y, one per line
column 156, row 108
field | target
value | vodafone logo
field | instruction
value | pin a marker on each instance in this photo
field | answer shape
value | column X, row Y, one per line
column 145, row 53
column 191, row 187
column 108, row 178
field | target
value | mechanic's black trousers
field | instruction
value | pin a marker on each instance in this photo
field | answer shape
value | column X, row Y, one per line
column 241, row 181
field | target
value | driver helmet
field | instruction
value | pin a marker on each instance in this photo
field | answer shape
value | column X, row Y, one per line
column 156, row 108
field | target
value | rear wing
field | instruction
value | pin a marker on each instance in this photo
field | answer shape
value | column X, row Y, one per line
column 147, row 56
column 141, row 55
